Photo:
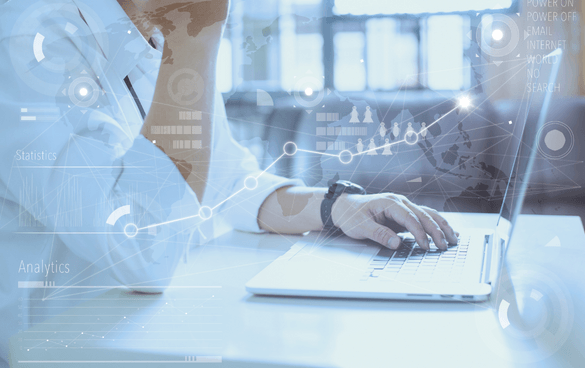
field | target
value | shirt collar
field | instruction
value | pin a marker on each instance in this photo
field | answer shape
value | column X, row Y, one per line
column 121, row 42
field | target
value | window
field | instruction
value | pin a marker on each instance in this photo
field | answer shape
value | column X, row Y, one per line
column 371, row 7
column 392, row 57
column 446, row 65
column 360, row 45
column 350, row 71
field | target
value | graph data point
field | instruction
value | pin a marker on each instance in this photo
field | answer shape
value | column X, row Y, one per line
column 205, row 212
column 345, row 156
column 411, row 138
column 130, row 230
column 251, row 183
column 290, row 148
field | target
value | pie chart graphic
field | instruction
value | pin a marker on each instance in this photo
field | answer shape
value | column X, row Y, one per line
column 533, row 316
column 555, row 140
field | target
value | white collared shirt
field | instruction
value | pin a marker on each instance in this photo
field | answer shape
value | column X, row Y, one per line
column 76, row 175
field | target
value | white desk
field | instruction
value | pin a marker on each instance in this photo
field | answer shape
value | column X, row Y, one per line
column 247, row 330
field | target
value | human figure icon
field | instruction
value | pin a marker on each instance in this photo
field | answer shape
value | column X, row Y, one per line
column 368, row 115
column 354, row 116
column 396, row 130
column 382, row 129
column 410, row 136
column 360, row 146
column 409, row 129
column 387, row 151
column 372, row 148
column 423, row 130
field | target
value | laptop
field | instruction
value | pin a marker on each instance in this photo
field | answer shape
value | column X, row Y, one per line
column 468, row 271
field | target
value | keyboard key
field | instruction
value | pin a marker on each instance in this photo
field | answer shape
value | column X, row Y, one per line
column 380, row 259
column 385, row 252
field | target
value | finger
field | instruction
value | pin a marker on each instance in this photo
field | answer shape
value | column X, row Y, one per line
column 380, row 234
column 444, row 224
column 398, row 212
column 430, row 226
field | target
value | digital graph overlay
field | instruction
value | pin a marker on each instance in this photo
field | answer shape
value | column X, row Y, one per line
column 290, row 149
column 188, row 322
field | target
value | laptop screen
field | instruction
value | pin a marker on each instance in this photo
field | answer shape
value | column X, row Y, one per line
column 541, row 84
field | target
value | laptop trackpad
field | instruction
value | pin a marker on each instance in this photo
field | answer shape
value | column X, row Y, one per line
column 335, row 260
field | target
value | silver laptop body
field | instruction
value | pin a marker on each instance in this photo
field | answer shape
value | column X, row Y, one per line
column 347, row 268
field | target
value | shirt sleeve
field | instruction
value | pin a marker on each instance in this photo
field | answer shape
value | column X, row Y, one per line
column 76, row 165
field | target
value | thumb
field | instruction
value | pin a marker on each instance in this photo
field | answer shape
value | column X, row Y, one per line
column 380, row 234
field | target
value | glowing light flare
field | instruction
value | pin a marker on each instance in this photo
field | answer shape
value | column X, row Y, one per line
column 497, row 34
column 464, row 102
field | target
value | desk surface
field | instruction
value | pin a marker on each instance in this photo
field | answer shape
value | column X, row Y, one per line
column 207, row 313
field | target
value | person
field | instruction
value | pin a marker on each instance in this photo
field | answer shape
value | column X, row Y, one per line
column 360, row 146
column 372, row 148
column 382, row 129
column 387, row 148
column 368, row 115
column 396, row 130
column 409, row 128
column 423, row 130
column 354, row 118
column 119, row 154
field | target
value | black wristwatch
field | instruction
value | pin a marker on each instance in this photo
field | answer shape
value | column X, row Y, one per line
column 336, row 190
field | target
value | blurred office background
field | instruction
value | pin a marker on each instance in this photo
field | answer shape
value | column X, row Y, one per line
column 289, row 67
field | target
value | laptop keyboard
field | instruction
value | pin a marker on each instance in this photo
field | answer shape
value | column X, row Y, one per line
column 412, row 263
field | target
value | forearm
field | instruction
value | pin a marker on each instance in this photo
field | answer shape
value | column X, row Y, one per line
column 292, row 210
column 188, row 69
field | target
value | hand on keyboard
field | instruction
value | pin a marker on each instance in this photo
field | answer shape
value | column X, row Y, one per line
column 363, row 216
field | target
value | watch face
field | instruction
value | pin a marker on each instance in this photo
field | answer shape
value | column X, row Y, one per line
column 344, row 186
column 355, row 189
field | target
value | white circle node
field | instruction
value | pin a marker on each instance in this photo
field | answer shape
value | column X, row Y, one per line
column 251, row 183
column 83, row 92
column 309, row 91
column 290, row 148
column 411, row 138
column 131, row 230
column 205, row 212
column 497, row 34
column 345, row 156
column 555, row 140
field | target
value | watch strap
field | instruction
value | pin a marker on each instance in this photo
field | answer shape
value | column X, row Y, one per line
column 326, row 209
column 334, row 192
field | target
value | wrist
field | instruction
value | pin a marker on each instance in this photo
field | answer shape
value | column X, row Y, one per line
column 338, row 193
column 339, row 208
